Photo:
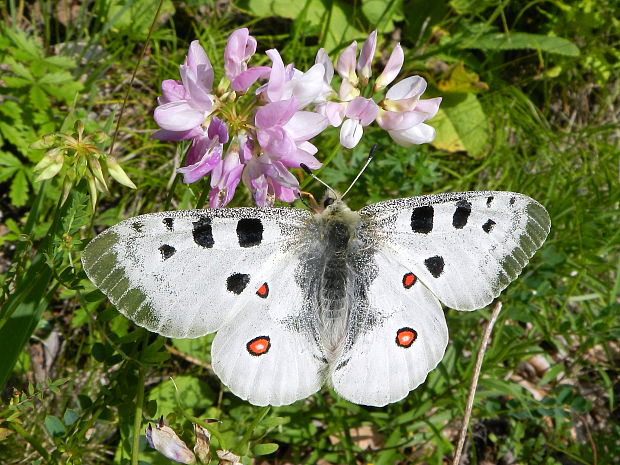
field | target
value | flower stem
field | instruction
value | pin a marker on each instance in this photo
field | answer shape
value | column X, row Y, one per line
column 133, row 77
column 474, row 382
column 137, row 420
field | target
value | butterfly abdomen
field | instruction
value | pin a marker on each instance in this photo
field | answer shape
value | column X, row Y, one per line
column 333, row 292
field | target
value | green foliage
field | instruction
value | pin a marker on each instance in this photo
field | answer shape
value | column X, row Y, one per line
column 529, row 104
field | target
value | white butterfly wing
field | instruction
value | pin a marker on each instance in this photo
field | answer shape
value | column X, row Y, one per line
column 465, row 247
column 269, row 354
column 184, row 274
column 393, row 341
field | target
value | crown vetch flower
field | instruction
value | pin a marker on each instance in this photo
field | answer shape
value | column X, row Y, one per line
column 257, row 136
column 401, row 113
column 186, row 105
column 205, row 152
column 239, row 49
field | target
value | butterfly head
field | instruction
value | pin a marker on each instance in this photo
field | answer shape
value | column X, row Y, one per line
column 333, row 208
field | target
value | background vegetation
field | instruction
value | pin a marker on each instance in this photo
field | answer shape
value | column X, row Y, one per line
column 530, row 104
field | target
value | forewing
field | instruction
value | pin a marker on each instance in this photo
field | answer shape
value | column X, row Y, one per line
column 465, row 247
column 268, row 354
column 186, row 273
column 397, row 334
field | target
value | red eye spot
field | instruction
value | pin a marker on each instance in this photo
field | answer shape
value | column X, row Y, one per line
column 405, row 337
column 409, row 280
column 263, row 291
column 259, row 345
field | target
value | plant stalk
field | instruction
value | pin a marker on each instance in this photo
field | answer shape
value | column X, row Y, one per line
column 474, row 383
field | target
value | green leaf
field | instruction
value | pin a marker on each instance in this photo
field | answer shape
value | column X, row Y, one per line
column 134, row 18
column 61, row 61
column 8, row 159
column 19, row 189
column 461, row 125
column 11, row 109
column 382, row 14
column 194, row 393
column 54, row 426
column 16, row 82
column 264, row 449
column 23, row 42
column 339, row 30
column 38, row 98
column 56, row 78
column 20, row 70
column 522, row 41
column 70, row 417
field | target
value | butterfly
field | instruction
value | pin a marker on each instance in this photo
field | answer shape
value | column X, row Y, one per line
column 351, row 298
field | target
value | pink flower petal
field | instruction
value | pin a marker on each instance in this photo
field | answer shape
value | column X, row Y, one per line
column 301, row 156
column 217, row 129
column 392, row 68
column 420, row 134
column 364, row 63
column 194, row 172
column 285, row 194
column 276, row 141
column 196, row 56
column 399, row 120
column 198, row 62
column 199, row 148
column 306, row 87
column 199, row 96
column 323, row 58
column 345, row 65
column 277, row 76
column 178, row 116
column 350, row 133
column 244, row 80
column 239, row 49
column 304, row 125
column 172, row 90
column 429, row 107
column 275, row 114
column 280, row 175
column 164, row 134
column 334, row 111
column 413, row 86
column 363, row 109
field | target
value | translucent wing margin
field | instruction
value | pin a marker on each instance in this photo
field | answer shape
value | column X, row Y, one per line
column 186, row 273
column 466, row 247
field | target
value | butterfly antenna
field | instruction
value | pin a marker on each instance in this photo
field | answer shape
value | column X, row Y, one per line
column 307, row 170
column 370, row 155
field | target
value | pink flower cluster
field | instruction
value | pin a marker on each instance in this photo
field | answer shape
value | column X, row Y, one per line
column 256, row 137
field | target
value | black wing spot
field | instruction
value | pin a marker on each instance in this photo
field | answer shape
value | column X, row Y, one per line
column 512, row 201
column 169, row 223
column 422, row 219
column 461, row 214
column 167, row 251
column 237, row 282
column 137, row 226
column 434, row 265
column 203, row 233
column 250, row 232
column 488, row 226
column 489, row 201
